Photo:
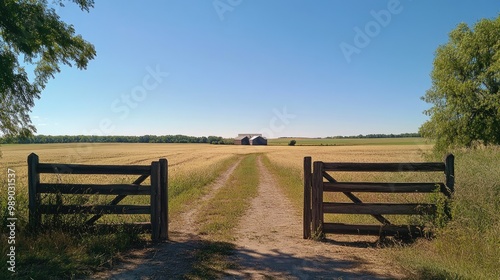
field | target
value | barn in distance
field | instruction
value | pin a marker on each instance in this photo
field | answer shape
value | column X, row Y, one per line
column 250, row 139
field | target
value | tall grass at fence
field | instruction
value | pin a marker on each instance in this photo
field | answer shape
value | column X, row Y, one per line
column 290, row 178
column 55, row 253
column 469, row 246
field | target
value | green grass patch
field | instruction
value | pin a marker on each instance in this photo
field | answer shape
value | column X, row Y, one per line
column 221, row 217
column 222, row 213
column 290, row 180
column 186, row 189
column 58, row 255
column 469, row 246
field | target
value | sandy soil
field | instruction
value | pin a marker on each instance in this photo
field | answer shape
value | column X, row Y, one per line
column 269, row 246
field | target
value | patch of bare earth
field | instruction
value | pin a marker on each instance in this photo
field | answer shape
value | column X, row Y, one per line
column 270, row 245
column 172, row 259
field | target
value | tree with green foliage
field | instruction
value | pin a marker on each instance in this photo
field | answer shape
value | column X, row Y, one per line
column 31, row 33
column 292, row 143
column 465, row 91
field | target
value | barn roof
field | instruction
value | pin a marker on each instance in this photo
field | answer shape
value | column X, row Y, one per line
column 240, row 137
column 257, row 136
column 249, row 134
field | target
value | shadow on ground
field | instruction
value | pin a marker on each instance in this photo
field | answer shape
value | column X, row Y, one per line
column 377, row 243
column 282, row 265
column 182, row 260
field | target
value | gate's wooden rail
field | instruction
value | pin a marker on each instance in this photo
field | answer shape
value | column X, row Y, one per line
column 158, row 192
column 315, row 186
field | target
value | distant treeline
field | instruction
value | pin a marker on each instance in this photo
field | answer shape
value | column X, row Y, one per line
column 402, row 135
column 46, row 139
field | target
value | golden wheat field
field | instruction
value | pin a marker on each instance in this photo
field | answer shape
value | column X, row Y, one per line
column 183, row 158
column 193, row 167
column 194, row 164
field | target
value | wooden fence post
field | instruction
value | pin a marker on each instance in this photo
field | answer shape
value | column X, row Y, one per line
column 449, row 164
column 317, row 199
column 320, row 206
column 34, row 196
column 164, row 199
column 307, row 197
column 155, row 201
column 449, row 170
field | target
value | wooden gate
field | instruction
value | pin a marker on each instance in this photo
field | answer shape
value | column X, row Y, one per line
column 319, row 181
column 158, row 192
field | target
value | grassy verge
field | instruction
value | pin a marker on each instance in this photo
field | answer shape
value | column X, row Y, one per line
column 56, row 253
column 290, row 180
column 187, row 188
column 220, row 218
column 469, row 247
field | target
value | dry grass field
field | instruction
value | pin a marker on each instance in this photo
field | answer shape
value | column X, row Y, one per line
column 193, row 167
column 183, row 157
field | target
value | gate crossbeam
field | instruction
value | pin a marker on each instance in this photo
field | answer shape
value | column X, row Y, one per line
column 315, row 207
column 116, row 200
column 355, row 199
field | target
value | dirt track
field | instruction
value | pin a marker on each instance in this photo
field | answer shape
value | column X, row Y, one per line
column 269, row 246
column 173, row 259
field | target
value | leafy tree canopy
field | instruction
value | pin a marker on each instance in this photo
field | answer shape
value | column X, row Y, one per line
column 465, row 91
column 31, row 33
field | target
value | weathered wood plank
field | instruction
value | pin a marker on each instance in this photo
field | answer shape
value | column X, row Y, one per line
column 377, row 230
column 163, row 199
column 144, row 227
column 354, row 199
column 383, row 187
column 155, row 201
column 117, row 199
column 93, row 169
column 378, row 208
column 450, row 182
column 138, row 227
column 450, row 172
column 384, row 167
column 118, row 189
column 317, row 197
column 307, row 197
column 34, row 196
column 94, row 209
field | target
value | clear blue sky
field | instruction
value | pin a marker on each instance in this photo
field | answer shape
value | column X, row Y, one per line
column 285, row 68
